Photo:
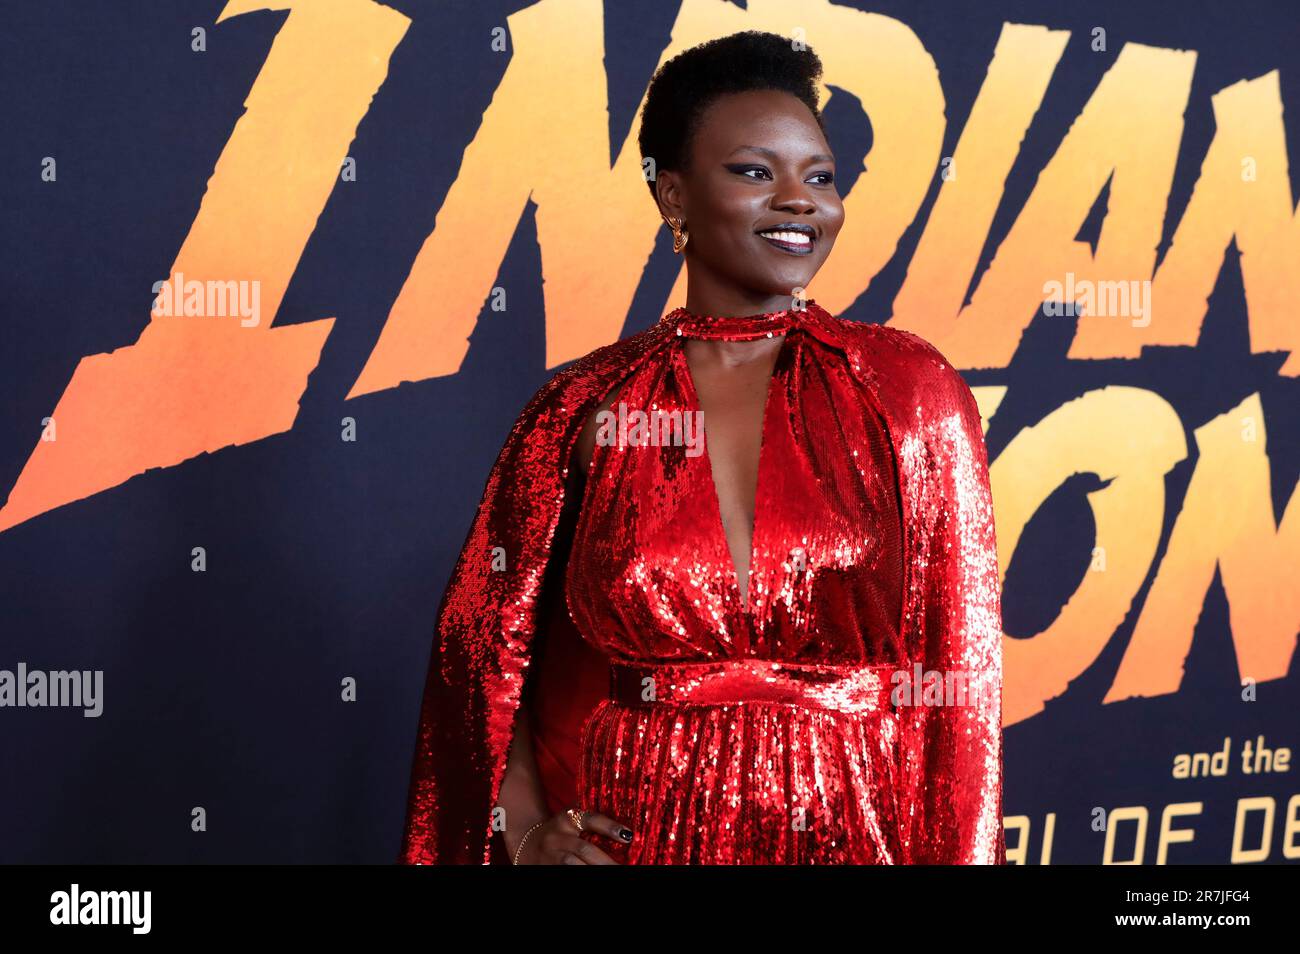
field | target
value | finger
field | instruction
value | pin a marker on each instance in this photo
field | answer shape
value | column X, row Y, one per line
column 560, row 845
column 566, row 848
column 585, row 851
column 604, row 825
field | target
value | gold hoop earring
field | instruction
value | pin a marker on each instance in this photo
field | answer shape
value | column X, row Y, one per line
column 680, row 235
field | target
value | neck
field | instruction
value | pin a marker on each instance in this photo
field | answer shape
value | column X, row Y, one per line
column 733, row 354
column 736, row 339
column 729, row 304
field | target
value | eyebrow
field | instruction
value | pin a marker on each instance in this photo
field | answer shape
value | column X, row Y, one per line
column 819, row 157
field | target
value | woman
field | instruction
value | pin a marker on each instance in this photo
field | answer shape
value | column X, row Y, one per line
column 777, row 612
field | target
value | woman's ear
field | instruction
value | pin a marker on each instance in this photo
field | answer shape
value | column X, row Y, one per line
column 669, row 193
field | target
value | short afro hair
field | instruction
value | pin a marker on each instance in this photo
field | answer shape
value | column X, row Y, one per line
column 683, row 87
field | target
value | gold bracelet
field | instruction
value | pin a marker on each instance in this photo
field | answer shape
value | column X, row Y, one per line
column 520, row 846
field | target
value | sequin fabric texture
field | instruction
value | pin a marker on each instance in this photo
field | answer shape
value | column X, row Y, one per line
column 774, row 729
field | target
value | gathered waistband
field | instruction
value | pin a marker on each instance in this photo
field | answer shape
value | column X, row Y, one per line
column 732, row 681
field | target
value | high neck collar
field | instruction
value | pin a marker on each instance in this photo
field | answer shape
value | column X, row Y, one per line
column 767, row 324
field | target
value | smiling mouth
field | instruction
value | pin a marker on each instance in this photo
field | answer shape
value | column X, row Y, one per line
column 791, row 241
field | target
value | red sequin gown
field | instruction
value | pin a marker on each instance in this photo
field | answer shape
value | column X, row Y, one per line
column 773, row 731
column 739, row 777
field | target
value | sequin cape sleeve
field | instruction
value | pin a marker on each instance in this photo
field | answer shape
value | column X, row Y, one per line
column 487, row 617
column 955, row 747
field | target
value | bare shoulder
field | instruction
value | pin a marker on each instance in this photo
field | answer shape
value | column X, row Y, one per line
column 586, row 444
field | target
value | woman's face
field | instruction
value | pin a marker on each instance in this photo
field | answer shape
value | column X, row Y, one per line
column 759, row 164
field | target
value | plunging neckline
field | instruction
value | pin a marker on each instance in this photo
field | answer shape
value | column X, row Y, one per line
column 743, row 599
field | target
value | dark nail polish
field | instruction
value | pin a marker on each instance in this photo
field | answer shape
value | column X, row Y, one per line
column 625, row 834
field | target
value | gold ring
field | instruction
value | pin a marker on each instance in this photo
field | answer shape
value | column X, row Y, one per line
column 577, row 818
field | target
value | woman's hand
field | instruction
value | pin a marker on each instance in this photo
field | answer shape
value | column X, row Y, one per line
column 557, row 841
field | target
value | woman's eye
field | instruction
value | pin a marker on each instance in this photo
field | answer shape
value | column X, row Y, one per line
column 827, row 178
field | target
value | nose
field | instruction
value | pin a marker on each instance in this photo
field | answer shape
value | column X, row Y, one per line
column 794, row 199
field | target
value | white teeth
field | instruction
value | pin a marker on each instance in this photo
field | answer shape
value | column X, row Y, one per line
column 794, row 238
